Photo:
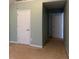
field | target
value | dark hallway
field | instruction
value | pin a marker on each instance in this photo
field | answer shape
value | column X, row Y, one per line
column 53, row 20
column 53, row 26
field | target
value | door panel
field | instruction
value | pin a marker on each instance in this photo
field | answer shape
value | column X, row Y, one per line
column 24, row 26
column 57, row 25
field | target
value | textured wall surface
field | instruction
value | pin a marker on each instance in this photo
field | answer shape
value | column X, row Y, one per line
column 12, row 23
column 66, row 29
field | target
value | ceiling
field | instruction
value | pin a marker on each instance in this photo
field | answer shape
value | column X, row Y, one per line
column 54, row 5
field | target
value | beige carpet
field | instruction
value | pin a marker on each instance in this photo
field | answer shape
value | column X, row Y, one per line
column 54, row 49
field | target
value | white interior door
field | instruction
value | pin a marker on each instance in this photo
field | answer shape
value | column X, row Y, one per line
column 24, row 26
column 57, row 25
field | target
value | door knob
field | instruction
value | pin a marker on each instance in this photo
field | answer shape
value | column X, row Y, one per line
column 27, row 29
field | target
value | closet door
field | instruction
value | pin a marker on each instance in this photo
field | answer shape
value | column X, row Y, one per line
column 24, row 26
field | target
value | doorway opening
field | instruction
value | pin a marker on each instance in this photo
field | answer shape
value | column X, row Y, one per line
column 53, row 21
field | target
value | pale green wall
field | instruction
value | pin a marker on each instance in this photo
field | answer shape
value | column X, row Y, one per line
column 45, row 25
column 23, row 6
column 12, row 23
column 66, row 29
column 37, row 23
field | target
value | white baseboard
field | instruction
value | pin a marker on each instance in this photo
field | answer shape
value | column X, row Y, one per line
column 13, row 42
column 17, row 42
column 67, row 52
column 33, row 45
